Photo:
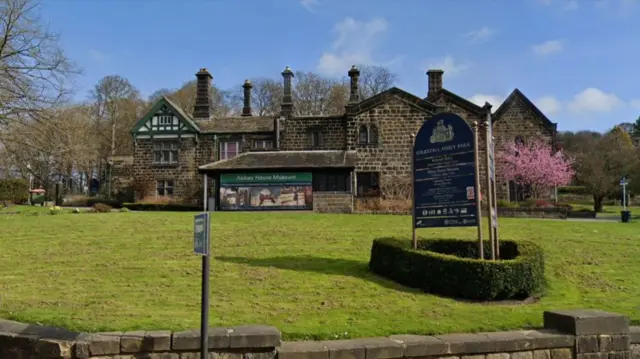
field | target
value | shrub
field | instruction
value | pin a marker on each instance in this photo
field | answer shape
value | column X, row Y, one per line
column 84, row 201
column 124, row 209
column 451, row 268
column 502, row 203
column 169, row 207
column 14, row 190
column 574, row 190
column 101, row 208
column 376, row 204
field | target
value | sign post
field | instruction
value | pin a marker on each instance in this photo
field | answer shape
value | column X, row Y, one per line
column 201, row 246
column 445, row 176
column 492, row 205
column 623, row 183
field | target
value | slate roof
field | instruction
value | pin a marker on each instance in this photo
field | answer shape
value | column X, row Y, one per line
column 247, row 124
column 284, row 159
column 458, row 100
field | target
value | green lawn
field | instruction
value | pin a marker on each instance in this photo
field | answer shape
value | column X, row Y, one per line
column 304, row 273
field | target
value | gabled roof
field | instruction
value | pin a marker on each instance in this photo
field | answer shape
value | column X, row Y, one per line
column 247, row 124
column 384, row 96
column 182, row 116
column 459, row 101
column 284, row 159
column 517, row 94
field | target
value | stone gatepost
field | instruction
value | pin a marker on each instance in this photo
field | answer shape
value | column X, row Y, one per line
column 598, row 335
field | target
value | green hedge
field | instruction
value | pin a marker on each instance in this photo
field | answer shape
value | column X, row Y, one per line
column 169, row 207
column 14, row 190
column 574, row 190
column 91, row 201
column 451, row 268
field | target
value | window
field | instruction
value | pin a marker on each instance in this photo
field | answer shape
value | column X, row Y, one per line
column 165, row 153
column 165, row 120
column 373, row 134
column 368, row 184
column 229, row 150
column 363, row 135
column 164, row 188
column 264, row 145
column 331, row 182
column 315, row 139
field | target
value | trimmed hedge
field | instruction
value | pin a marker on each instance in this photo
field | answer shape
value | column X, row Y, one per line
column 169, row 207
column 575, row 190
column 92, row 201
column 14, row 190
column 451, row 268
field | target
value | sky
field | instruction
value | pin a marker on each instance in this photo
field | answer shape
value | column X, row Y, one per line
column 577, row 60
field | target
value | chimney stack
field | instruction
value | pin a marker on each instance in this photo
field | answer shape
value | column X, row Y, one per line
column 246, row 109
column 202, row 107
column 435, row 81
column 286, row 108
column 354, row 74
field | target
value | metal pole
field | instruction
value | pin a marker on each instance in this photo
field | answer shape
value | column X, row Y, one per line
column 204, row 312
column 624, row 196
column 478, row 202
column 414, row 239
column 489, row 192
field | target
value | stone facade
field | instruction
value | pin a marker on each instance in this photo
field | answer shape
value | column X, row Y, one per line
column 326, row 202
column 569, row 334
column 383, row 150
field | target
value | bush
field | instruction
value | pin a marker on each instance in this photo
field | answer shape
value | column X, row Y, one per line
column 55, row 210
column 574, row 190
column 169, row 207
column 451, row 268
column 101, row 208
column 84, row 201
column 377, row 204
column 503, row 203
column 14, row 190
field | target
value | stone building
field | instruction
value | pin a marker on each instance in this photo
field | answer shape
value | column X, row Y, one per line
column 307, row 162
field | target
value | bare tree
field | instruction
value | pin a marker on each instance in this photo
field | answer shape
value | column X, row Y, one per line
column 375, row 79
column 311, row 93
column 223, row 102
column 116, row 107
column 266, row 96
column 34, row 71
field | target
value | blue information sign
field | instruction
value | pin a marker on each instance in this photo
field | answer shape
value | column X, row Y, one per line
column 201, row 236
column 444, row 173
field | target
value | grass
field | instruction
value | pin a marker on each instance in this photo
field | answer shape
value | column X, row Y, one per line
column 303, row 273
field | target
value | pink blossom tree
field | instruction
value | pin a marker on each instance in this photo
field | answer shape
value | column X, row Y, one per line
column 534, row 165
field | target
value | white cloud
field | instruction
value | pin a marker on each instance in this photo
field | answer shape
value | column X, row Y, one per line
column 495, row 100
column 548, row 105
column 310, row 5
column 448, row 64
column 480, row 35
column 594, row 100
column 355, row 44
column 98, row 56
column 548, row 47
column 635, row 103
column 569, row 5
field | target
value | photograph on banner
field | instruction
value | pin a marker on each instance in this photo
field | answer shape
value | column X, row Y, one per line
column 266, row 191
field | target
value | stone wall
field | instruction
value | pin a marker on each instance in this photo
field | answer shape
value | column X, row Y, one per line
column 518, row 119
column 294, row 133
column 186, row 181
column 396, row 120
column 332, row 202
column 569, row 334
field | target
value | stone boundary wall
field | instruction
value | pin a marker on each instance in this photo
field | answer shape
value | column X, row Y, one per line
column 569, row 334
column 332, row 202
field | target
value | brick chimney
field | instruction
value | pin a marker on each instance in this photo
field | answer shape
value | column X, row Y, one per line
column 202, row 107
column 286, row 108
column 435, row 81
column 246, row 109
column 354, row 74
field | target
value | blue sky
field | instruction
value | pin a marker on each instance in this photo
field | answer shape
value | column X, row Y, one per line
column 576, row 59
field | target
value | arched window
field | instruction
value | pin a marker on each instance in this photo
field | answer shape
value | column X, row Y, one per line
column 373, row 134
column 363, row 134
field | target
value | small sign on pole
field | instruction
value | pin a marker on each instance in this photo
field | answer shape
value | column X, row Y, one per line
column 624, row 183
column 201, row 235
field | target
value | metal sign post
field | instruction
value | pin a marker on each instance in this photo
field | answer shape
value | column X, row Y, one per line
column 623, row 183
column 201, row 246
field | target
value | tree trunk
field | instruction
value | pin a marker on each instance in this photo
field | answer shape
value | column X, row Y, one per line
column 597, row 203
